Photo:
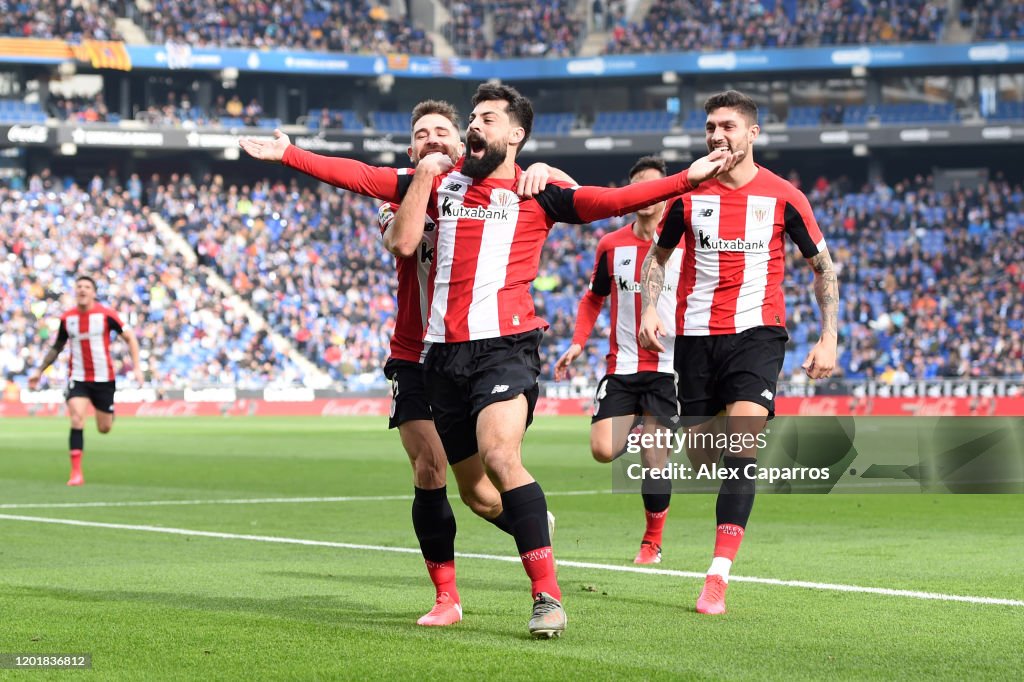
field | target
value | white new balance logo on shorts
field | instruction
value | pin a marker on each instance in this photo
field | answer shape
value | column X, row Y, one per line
column 766, row 394
column 500, row 388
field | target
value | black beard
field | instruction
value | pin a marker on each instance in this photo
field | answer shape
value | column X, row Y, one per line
column 488, row 163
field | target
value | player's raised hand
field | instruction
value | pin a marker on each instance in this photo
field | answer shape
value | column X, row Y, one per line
column 562, row 366
column 651, row 329
column 33, row 380
column 266, row 150
column 821, row 361
column 533, row 181
column 435, row 164
column 714, row 164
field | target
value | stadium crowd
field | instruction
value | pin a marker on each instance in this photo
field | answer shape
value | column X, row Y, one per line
column 931, row 282
column 993, row 19
column 700, row 25
column 352, row 26
column 906, row 251
column 52, row 230
column 500, row 29
column 68, row 19
column 309, row 260
column 520, row 28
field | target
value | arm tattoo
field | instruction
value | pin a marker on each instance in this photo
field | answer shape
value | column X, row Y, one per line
column 652, row 279
column 826, row 291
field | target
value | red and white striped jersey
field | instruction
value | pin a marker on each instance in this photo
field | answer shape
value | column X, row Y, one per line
column 89, row 334
column 617, row 270
column 734, row 259
column 488, row 253
column 488, row 242
column 413, row 274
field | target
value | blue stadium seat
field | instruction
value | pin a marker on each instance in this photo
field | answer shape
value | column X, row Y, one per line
column 633, row 121
column 553, row 124
column 1008, row 111
column 390, row 122
column 695, row 120
column 804, row 117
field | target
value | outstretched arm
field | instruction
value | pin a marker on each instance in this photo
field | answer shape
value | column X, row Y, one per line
column 379, row 182
column 821, row 361
column 587, row 204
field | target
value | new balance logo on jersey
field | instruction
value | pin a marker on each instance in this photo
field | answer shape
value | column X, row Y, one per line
column 500, row 388
column 706, row 212
column 706, row 243
column 626, row 262
column 453, row 187
column 475, row 213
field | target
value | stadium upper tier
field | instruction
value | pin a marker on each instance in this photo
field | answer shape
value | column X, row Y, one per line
column 931, row 282
column 501, row 29
column 353, row 26
column 695, row 25
column 68, row 19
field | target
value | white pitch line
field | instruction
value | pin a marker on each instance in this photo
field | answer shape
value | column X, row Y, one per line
column 256, row 500
column 912, row 594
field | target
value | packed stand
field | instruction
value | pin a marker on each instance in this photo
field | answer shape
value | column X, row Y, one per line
column 309, row 260
column 701, row 25
column 993, row 19
column 52, row 230
column 72, row 20
column 931, row 282
column 519, row 28
column 352, row 26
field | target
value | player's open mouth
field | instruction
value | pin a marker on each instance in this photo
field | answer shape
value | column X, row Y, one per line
column 477, row 145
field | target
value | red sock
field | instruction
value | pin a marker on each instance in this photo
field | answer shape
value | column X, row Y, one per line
column 443, row 576
column 76, row 461
column 727, row 540
column 540, row 566
column 655, row 525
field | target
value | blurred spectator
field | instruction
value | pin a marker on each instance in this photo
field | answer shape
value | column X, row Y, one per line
column 54, row 230
column 353, row 26
column 700, row 25
column 994, row 19
column 520, row 28
column 931, row 282
column 68, row 19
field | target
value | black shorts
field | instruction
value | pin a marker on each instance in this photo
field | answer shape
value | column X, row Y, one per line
column 620, row 395
column 408, row 392
column 715, row 371
column 99, row 393
column 464, row 378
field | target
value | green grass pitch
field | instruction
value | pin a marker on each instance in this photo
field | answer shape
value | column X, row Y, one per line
column 150, row 605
